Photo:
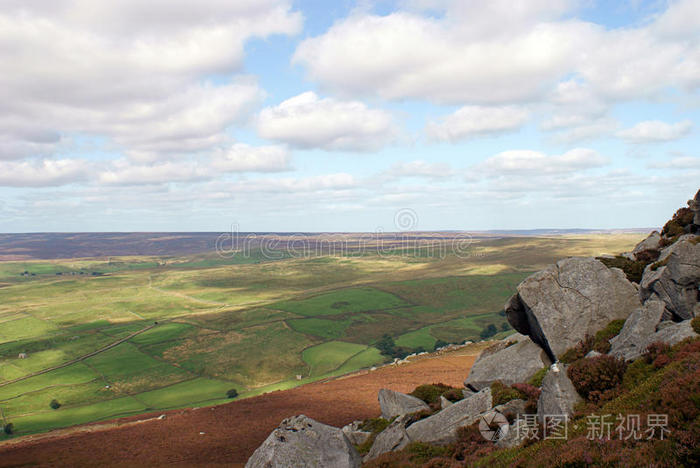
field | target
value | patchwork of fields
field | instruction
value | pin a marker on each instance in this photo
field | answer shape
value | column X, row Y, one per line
column 120, row 336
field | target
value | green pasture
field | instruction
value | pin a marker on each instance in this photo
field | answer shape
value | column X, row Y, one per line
column 251, row 324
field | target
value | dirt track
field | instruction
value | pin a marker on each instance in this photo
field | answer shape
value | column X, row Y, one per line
column 231, row 431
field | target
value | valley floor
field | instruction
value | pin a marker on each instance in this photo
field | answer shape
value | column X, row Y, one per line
column 226, row 435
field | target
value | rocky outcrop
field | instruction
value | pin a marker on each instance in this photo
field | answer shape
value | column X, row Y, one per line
column 634, row 336
column 558, row 395
column 513, row 408
column 441, row 428
column 301, row 441
column 355, row 435
column 676, row 282
column 392, row 438
column 512, row 364
column 675, row 333
column 558, row 306
column 652, row 242
column 397, row 404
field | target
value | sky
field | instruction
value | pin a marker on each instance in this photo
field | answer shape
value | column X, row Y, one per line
column 309, row 115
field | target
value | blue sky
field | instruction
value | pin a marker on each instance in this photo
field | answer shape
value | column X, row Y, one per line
column 280, row 115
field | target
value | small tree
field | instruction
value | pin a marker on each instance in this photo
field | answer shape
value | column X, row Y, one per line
column 488, row 331
column 9, row 428
column 54, row 404
column 233, row 393
column 440, row 344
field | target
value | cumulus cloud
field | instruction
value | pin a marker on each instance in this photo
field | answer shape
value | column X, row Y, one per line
column 535, row 162
column 133, row 72
column 468, row 55
column 651, row 131
column 473, row 121
column 43, row 172
column 307, row 121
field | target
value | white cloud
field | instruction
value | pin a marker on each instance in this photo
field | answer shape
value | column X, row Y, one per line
column 404, row 55
column 42, row 173
column 244, row 158
column 651, row 131
column 473, row 121
column 681, row 162
column 535, row 162
column 307, row 121
column 421, row 169
column 500, row 52
column 133, row 72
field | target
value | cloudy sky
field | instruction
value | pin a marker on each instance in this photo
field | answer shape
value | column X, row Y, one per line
column 176, row 115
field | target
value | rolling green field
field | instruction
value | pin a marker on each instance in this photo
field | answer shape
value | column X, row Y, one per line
column 122, row 336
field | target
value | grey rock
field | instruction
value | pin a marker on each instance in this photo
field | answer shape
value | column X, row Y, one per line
column 392, row 438
column 677, row 282
column 558, row 395
column 397, row 404
column 512, row 439
column 674, row 333
column 593, row 353
column 694, row 205
column 300, row 441
column 444, row 402
column 558, row 306
column 650, row 243
column 515, row 363
column 354, row 434
column 441, row 428
column 467, row 392
column 513, row 408
column 634, row 337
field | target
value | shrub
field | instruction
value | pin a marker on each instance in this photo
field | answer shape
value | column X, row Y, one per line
column 471, row 445
column 54, row 404
column 531, row 393
column 489, row 331
column 430, row 393
column 440, row 344
column 656, row 349
column 503, row 394
column 636, row 373
column 592, row 377
column 233, row 393
column 375, row 425
column 633, row 269
column 454, row 395
column 9, row 428
column 695, row 323
column 422, row 452
column 602, row 339
column 579, row 351
column 536, row 380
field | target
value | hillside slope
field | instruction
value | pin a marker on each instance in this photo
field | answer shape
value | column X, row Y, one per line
column 231, row 431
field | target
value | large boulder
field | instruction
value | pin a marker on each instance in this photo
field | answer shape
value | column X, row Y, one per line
column 397, row 404
column 301, row 441
column 676, row 282
column 392, row 438
column 512, row 364
column 635, row 334
column 675, row 333
column 558, row 306
column 652, row 242
column 558, row 396
column 441, row 428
